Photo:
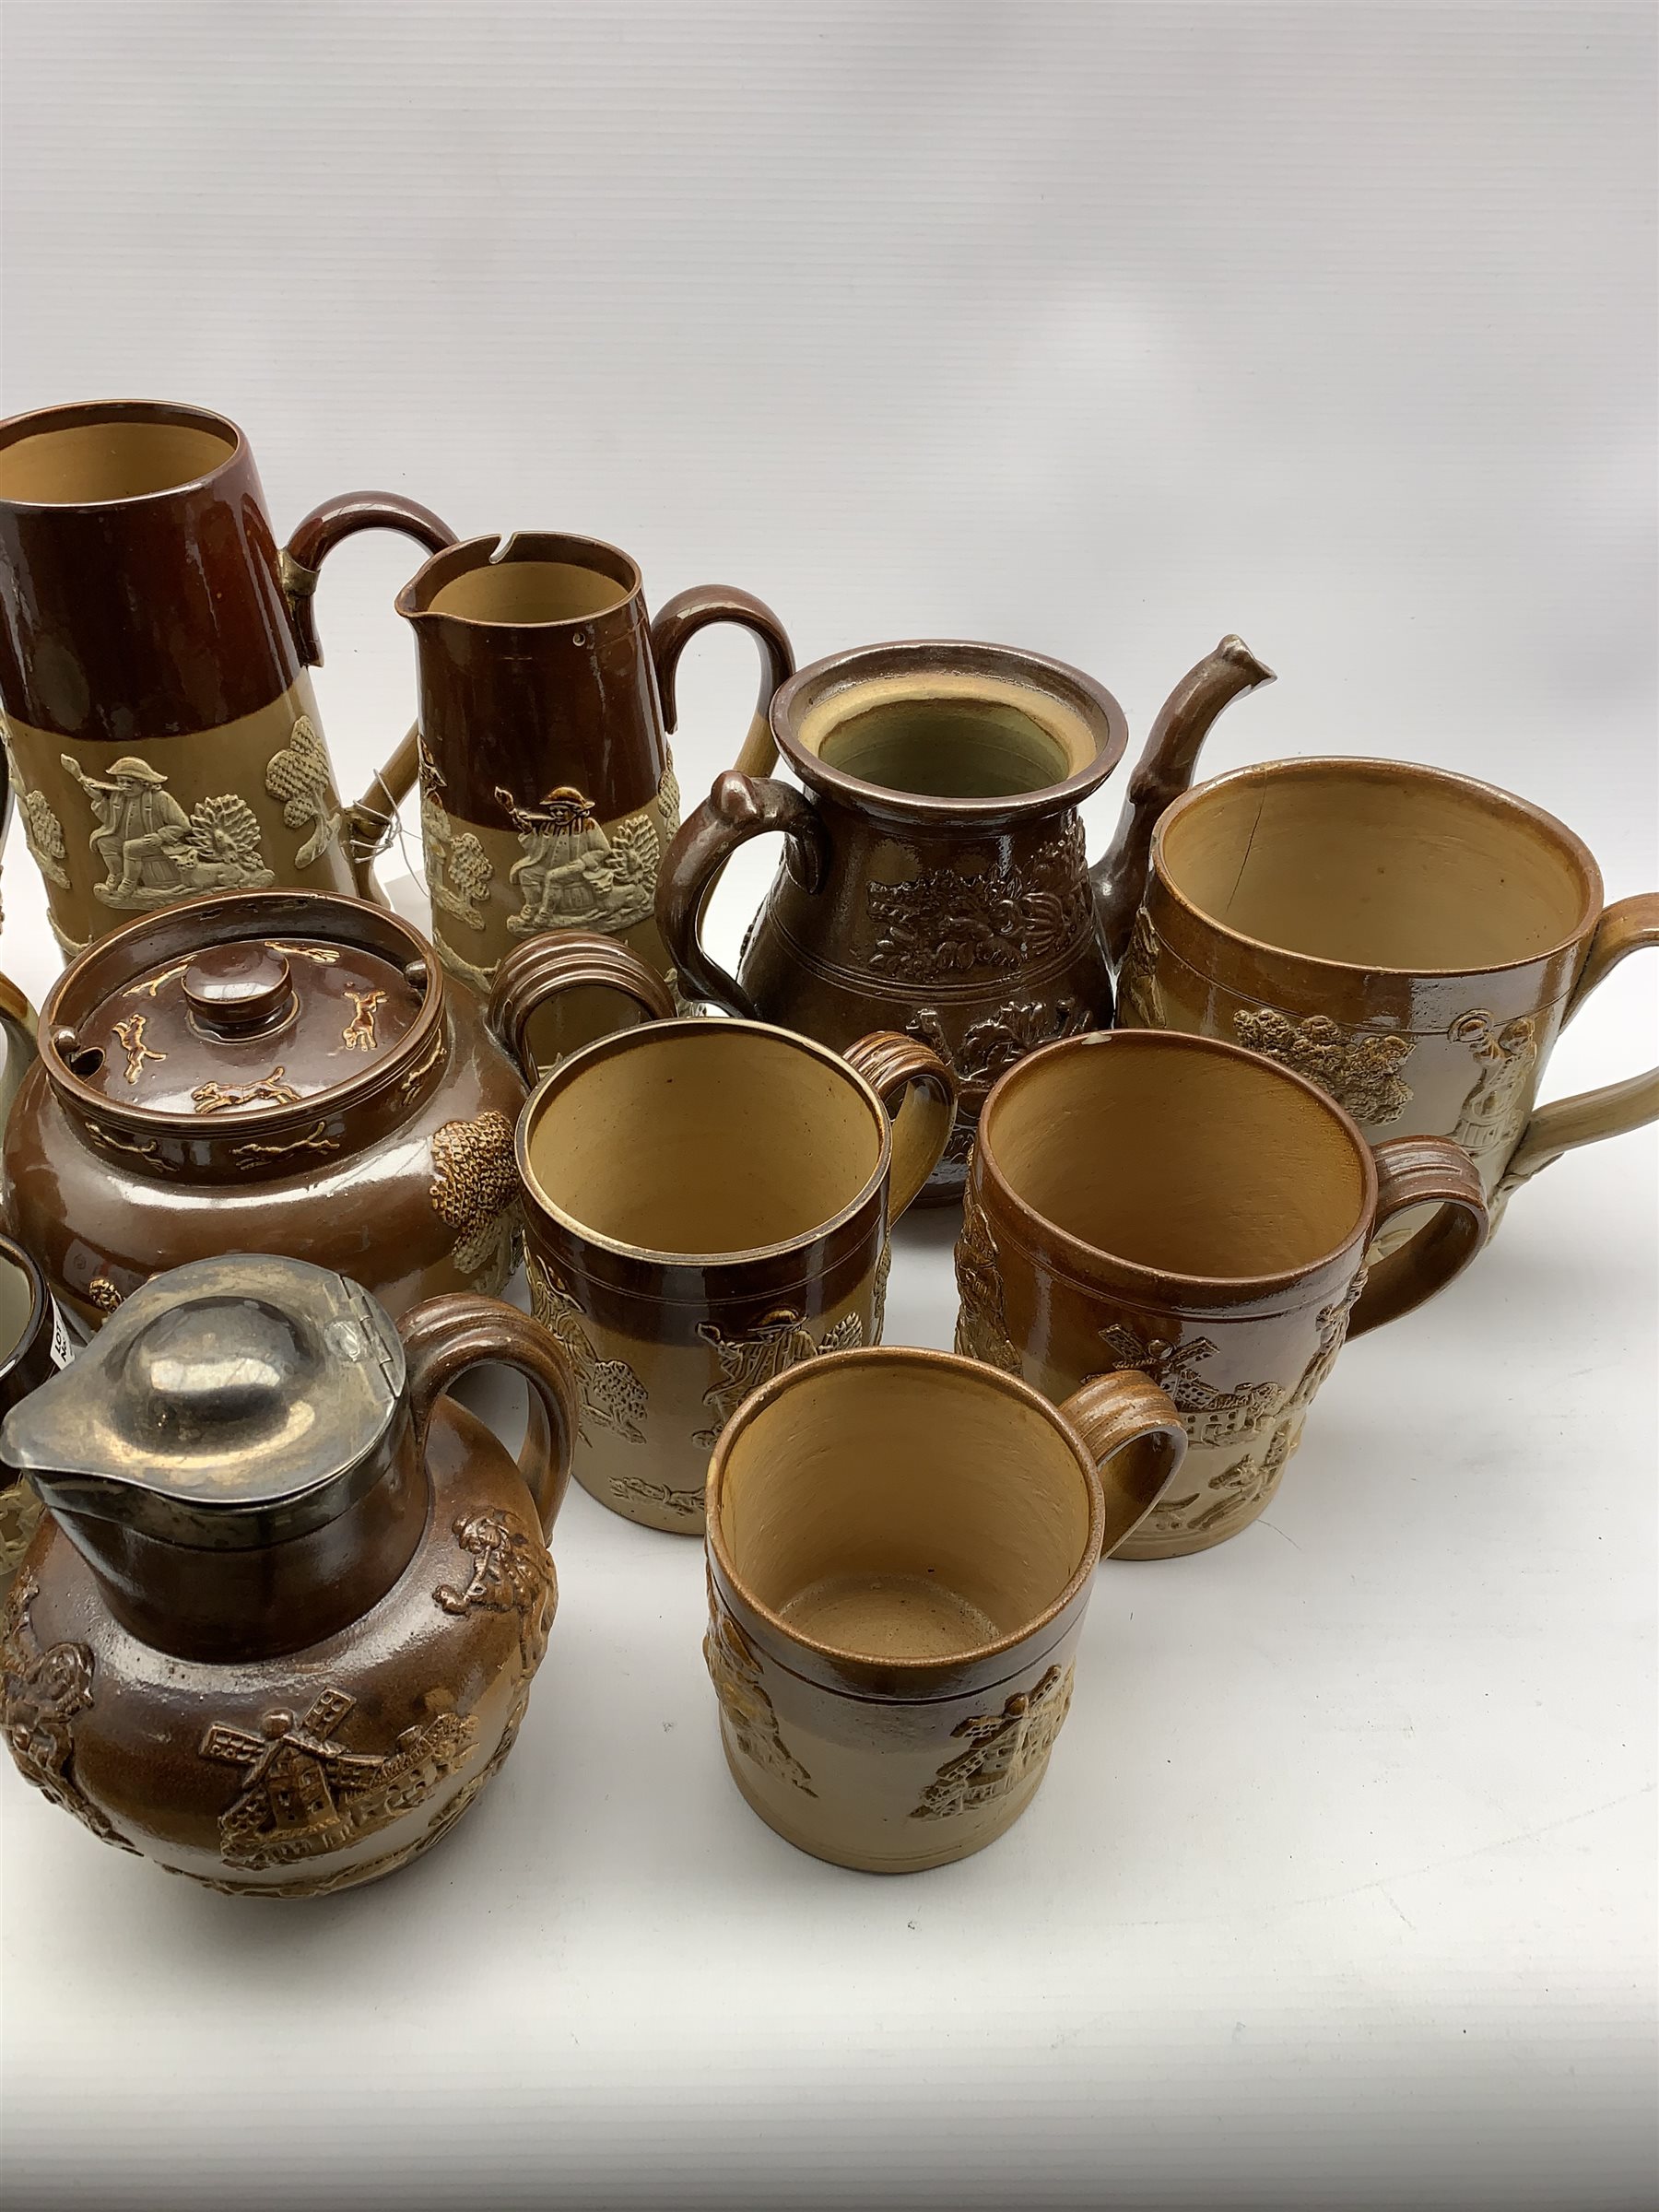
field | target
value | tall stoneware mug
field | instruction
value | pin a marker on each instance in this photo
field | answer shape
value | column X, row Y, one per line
column 900, row 1547
column 706, row 1202
column 1187, row 1210
column 1411, row 940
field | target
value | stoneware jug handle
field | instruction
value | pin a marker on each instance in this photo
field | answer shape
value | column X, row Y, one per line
column 1617, row 1107
column 738, row 808
column 1421, row 1170
column 677, row 622
column 1163, row 771
column 534, row 974
column 20, row 1021
column 369, row 825
column 444, row 1336
column 920, row 1094
column 1132, row 1431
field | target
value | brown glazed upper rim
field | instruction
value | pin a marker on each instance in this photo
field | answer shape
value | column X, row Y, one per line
column 500, row 548
column 77, row 414
column 937, row 1669
column 1090, row 1265
column 1366, row 768
column 1007, row 663
column 187, row 928
column 701, row 1262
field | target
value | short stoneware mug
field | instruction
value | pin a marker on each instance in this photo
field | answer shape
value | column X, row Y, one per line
column 1183, row 1208
column 706, row 1202
column 1412, row 941
column 900, row 1547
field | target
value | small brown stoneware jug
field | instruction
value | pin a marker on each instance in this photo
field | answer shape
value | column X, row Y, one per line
column 33, row 1345
column 706, row 1202
column 154, row 640
column 901, row 1548
column 1411, row 940
column 265, row 1071
column 278, row 1626
column 934, row 878
column 1194, row 1213
column 548, row 796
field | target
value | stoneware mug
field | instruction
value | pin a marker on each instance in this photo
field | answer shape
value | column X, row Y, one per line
column 33, row 1345
column 1189, row 1211
column 900, row 1547
column 706, row 1202
column 1411, row 940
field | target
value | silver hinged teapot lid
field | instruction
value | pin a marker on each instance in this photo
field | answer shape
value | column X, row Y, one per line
column 229, row 1404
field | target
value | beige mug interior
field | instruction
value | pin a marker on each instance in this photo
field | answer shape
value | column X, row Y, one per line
column 949, row 735
column 1179, row 1155
column 1379, row 867
column 16, row 1305
column 700, row 1138
column 902, row 1509
column 117, row 456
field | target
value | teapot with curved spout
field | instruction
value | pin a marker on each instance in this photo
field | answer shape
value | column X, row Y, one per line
column 277, row 1626
column 934, row 877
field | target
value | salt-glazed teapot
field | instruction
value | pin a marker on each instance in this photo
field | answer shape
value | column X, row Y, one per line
column 263, row 1071
column 278, row 1625
column 934, row 878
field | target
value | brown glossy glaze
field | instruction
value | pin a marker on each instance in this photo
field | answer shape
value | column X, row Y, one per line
column 706, row 1202
column 1411, row 940
column 33, row 1345
column 902, row 1546
column 1189, row 1211
column 266, row 1071
column 548, row 793
column 934, row 877
column 280, row 1624
column 163, row 736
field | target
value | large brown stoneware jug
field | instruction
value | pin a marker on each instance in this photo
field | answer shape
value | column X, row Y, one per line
column 547, row 794
column 154, row 640
column 278, row 1625
column 934, row 879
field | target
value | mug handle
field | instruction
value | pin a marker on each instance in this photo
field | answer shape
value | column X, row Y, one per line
column 739, row 807
column 1565, row 1123
column 1421, row 1170
column 369, row 824
column 677, row 622
column 444, row 1336
column 534, row 974
column 919, row 1092
column 19, row 1021
column 1132, row 1431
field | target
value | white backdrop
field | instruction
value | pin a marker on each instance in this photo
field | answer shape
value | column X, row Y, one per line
column 1101, row 330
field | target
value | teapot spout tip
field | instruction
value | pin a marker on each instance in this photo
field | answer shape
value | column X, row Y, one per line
column 1233, row 648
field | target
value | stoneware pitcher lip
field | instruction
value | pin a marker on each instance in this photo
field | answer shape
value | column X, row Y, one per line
column 1091, row 1264
column 701, row 1262
column 802, row 690
column 495, row 548
column 78, row 414
column 874, row 1675
column 1366, row 768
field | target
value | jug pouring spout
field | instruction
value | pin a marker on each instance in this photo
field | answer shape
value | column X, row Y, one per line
column 1163, row 771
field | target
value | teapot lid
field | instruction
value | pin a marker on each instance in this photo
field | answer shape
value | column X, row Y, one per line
column 229, row 1404
column 247, row 1024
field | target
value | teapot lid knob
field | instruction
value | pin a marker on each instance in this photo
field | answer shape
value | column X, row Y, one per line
column 239, row 990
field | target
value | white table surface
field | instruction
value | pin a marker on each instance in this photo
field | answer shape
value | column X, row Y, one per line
column 1340, row 1889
